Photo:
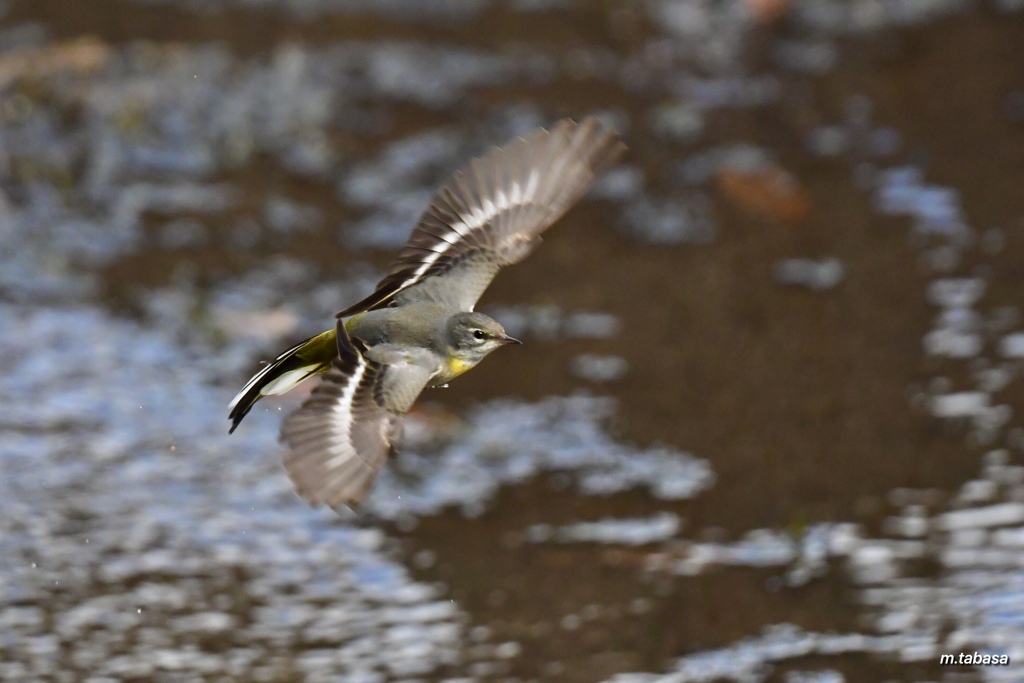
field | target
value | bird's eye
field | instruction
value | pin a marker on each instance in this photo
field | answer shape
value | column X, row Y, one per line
column 479, row 334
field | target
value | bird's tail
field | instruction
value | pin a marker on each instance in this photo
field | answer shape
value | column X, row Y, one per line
column 285, row 372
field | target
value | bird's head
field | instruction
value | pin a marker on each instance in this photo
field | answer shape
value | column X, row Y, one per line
column 472, row 336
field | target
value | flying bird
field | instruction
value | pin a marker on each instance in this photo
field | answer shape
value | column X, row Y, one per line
column 418, row 328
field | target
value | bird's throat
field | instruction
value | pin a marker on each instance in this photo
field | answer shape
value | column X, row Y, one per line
column 455, row 367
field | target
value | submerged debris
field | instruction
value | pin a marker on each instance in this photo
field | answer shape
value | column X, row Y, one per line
column 639, row 531
column 405, row 10
column 818, row 275
column 669, row 221
column 599, row 368
column 551, row 322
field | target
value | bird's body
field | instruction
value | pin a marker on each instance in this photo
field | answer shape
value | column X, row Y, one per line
column 415, row 325
column 418, row 328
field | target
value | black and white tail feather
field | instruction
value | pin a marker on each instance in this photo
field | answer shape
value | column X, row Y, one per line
column 279, row 376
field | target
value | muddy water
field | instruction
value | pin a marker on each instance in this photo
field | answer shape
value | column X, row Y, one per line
column 692, row 470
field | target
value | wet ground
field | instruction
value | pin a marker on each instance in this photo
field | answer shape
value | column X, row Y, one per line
column 765, row 425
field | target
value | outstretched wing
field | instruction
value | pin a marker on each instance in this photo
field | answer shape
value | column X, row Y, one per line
column 341, row 436
column 492, row 213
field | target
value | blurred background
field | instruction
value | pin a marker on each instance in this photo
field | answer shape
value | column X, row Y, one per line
column 766, row 424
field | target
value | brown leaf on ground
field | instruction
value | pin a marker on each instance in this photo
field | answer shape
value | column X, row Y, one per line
column 84, row 55
column 769, row 192
column 767, row 11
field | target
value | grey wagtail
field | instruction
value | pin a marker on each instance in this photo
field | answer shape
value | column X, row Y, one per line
column 418, row 328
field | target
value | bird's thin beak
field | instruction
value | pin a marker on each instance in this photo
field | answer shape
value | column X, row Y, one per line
column 509, row 340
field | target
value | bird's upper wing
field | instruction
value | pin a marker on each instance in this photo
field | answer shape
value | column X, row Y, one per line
column 491, row 214
column 341, row 436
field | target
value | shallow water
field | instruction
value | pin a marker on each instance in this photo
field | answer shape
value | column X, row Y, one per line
column 765, row 425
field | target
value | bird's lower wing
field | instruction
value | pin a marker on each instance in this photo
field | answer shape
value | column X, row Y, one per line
column 342, row 435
